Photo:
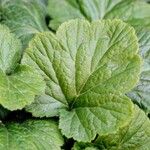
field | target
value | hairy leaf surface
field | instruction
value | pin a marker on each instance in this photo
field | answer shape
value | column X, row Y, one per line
column 87, row 67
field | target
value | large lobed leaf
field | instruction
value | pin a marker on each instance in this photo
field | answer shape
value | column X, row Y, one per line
column 134, row 12
column 18, row 83
column 87, row 68
column 30, row 135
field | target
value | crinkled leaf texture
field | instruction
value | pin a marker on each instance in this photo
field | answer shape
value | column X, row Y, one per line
column 88, row 67
column 30, row 135
column 18, row 83
column 136, row 135
column 24, row 17
column 135, row 12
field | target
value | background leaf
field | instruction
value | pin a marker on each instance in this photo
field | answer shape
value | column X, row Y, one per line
column 140, row 94
column 30, row 135
column 45, row 106
column 20, row 88
column 10, row 50
column 29, row 21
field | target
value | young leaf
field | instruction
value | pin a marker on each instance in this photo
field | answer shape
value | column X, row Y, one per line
column 136, row 135
column 88, row 65
column 30, row 135
column 29, row 20
column 18, row 83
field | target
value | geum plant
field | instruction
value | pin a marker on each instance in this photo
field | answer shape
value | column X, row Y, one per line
column 88, row 68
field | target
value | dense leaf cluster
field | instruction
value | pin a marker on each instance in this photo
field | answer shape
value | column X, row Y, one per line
column 74, row 74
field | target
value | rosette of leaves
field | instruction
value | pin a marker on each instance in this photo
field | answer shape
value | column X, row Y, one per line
column 24, row 17
column 88, row 68
column 134, row 12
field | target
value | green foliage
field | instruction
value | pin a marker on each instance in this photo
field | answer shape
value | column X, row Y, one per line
column 18, row 83
column 73, row 87
column 30, row 135
column 24, row 17
column 91, row 69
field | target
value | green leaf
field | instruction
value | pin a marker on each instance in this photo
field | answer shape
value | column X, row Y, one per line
column 29, row 20
column 95, row 114
column 30, row 135
column 20, row 88
column 69, row 10
column 10, row 50
column 134, row 12
column 136, row 135
column 45, row 106
column 88, row 65
column 18, row 83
